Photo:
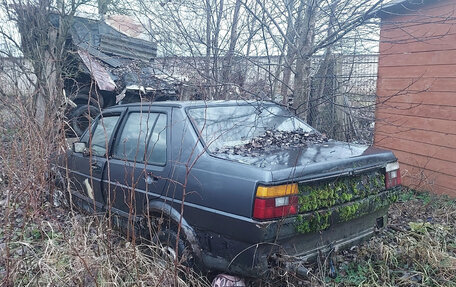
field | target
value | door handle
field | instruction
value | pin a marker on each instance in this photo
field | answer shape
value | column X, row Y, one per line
column 150, row 179
column 95, row 167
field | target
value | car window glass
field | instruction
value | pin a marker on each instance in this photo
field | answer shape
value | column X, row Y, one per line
column 102, row 134
column 85, row 137
column 229, row 126
column 156, row 151
column 132, row 142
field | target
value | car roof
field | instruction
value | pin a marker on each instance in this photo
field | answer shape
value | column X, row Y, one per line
column 187, row 104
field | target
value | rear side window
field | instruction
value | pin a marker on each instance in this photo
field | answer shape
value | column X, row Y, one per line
column 143, row 139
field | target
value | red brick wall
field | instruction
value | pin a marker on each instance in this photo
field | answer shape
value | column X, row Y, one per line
column 416, row 108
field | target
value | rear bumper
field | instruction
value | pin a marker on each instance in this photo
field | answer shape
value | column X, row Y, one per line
column 289, row 249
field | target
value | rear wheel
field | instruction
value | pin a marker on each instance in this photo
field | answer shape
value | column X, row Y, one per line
column 166, row 240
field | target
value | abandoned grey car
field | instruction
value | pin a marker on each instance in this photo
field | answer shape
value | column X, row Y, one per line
column 252, row 186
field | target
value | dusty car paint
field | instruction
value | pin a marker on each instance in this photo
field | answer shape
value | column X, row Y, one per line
column 219, row 192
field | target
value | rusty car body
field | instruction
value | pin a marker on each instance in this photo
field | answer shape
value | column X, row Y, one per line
column 252, row 187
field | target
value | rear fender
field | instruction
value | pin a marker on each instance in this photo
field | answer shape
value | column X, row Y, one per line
column 160, row 207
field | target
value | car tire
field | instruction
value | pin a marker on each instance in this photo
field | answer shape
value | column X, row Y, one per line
column 79, row 118
column 83, row 99
column 166, row 240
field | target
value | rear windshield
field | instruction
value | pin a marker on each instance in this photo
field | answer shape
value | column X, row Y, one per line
column 227, row 126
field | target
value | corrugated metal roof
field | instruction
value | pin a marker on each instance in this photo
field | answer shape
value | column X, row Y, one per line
column 99, row 36
column 100, row 55
column 85, row 31
column 127, row 47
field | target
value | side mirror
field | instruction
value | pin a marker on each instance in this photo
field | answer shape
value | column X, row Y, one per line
column 79, row 147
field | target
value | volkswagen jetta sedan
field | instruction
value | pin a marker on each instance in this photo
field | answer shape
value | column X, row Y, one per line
column 244, row 186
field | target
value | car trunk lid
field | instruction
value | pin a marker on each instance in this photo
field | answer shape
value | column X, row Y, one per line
column 315, row 161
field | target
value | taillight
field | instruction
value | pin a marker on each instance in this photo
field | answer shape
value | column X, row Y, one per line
column 392, row 175
column 275, row 201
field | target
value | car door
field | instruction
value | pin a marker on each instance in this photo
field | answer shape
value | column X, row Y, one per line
column 87, row 169
column 139, row 167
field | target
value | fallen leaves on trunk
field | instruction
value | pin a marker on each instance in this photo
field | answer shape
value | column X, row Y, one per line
column 274, row 140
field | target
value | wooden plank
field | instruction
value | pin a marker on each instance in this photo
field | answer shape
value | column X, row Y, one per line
column 429, row 124
column 417, row 135
column 419, row 84
column 419, row 148
column 387, row 96
column 428, row 163
column 435, row 188
column 426, row 71
column 423, row 58
column 426, row 176
column 423, row 33
column 419, row 28
column 419, row 110
column 418, row 44
column 428, row 179
column 439, row 45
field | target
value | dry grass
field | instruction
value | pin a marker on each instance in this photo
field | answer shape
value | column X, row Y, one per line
column 81, row 251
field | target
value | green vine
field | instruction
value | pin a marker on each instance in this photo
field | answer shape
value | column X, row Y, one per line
column 316, row 222
column 328, row 202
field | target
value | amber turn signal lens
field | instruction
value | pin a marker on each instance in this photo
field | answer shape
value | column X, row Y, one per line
column 277, row 191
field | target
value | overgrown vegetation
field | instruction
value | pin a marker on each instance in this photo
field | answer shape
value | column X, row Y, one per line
column 418, row 248
column 325, row 194
column 316, row 200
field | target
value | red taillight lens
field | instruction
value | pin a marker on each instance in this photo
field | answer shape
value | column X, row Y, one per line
column 392, row 178
column 275, row 201
column 268, row 208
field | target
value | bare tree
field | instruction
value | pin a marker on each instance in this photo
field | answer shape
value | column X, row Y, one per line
column 231, row 48
column 227, row 65
column 43, row 33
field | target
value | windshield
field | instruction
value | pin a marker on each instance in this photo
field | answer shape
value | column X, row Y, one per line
column 228, row 126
